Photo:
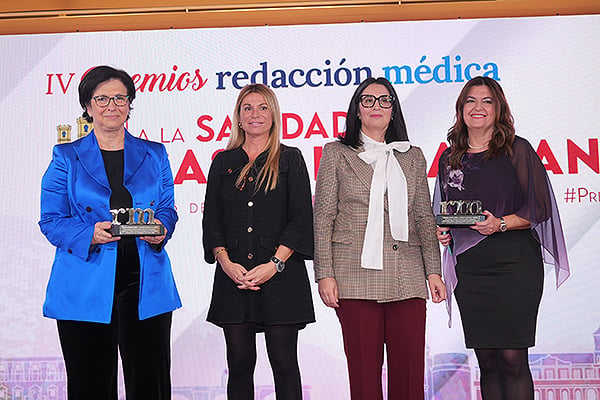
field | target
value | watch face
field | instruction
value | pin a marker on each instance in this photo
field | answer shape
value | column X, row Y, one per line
column 280, row 265
column 502, row 225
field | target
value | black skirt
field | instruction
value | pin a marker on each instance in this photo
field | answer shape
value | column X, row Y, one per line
column 500, row 283
column 285, row 299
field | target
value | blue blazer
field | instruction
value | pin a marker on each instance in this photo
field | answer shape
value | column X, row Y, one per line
column 76, row 195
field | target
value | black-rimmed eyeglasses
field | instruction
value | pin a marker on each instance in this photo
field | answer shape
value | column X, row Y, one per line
column 368, row 100
column 119, row 100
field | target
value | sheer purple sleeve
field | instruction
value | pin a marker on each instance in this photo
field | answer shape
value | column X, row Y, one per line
column 540, row 207
column 536, row 203
column 462, row 238
column 448, row 257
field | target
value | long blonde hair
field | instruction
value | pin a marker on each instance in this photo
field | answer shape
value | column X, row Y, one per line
column 269, row 173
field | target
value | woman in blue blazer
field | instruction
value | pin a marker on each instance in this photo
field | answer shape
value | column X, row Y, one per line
column 108, row 292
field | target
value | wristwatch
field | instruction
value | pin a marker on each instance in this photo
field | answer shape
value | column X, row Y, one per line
column 502, row 227
column 280, row 265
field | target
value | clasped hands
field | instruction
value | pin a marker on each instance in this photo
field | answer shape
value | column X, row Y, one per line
column 249, row 280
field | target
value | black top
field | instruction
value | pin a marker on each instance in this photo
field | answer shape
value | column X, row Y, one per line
column 128, row 261
column 251, row 225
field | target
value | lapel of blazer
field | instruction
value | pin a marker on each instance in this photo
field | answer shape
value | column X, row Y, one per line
column 363, row 171
column 88, row 154
column 135, row 152
column 406, row 162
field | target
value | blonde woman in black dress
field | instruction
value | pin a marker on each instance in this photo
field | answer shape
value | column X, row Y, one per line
column 258, row 227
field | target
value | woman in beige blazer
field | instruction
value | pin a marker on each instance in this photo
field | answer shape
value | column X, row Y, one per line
column 375, row 244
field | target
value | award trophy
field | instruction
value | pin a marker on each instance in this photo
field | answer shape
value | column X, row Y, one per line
column 140, row 223
column 460, row 213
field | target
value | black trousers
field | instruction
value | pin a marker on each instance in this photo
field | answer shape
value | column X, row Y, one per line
column 90, row 353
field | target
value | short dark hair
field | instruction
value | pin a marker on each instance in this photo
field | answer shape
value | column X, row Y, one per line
column 97, row 75
column 396, row 130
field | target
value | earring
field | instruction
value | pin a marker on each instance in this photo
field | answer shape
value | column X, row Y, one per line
column 240, row 125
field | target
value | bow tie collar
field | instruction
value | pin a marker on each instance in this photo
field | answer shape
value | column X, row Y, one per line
column 387, row 176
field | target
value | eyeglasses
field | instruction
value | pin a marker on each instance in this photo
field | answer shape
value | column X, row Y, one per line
column 385, row 101
column 118, row 100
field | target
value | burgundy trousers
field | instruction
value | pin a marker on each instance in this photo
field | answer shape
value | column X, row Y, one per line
column 366, row 327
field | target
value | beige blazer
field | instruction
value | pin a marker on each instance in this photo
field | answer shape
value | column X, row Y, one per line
column 341, row 209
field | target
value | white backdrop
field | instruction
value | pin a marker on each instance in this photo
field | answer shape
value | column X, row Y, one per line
column 548, row 67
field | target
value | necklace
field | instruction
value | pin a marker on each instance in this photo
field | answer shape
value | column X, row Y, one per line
column 104, row 145
column 477, row 147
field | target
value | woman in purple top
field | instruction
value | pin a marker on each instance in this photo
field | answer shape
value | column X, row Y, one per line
column 495, row 267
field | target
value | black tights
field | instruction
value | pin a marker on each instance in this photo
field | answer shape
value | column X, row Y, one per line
column 282, row 344
column 505, row 374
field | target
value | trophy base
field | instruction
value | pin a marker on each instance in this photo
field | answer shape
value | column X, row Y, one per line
column 458, row 220
column 138, row 230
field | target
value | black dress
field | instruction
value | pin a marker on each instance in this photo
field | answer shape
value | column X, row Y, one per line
column 251, row 225
column 500, row 279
